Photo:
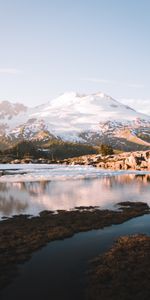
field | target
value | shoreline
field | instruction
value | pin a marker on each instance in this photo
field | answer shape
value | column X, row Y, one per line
column 136, row 160
column 132, row 161
column 20, row 236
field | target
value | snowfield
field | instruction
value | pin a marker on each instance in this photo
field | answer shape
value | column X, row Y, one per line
column 69, row 115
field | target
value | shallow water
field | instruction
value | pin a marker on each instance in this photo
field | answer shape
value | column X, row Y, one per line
column 34, row 188
column 58, row 271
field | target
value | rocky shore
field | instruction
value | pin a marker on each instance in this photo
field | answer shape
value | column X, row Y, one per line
column 10, row 160
column 123, row 272
column 21, row 235
column 139, row 160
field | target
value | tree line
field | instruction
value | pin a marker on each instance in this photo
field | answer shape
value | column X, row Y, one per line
column 55, row 150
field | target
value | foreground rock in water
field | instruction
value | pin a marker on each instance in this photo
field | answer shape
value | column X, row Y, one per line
column 20, row 236
column 139, row 160
column 122, row 273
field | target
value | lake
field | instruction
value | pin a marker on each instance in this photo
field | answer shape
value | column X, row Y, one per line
column 29, row 189
column 58, row 270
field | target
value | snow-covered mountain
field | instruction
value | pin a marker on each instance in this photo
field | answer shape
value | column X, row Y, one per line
column 95, row 118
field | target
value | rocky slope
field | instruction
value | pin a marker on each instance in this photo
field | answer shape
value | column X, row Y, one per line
column 93, row 119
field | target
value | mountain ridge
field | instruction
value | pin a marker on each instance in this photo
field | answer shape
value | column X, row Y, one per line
column 95, row 118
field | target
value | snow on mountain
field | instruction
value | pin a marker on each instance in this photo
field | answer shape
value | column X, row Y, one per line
column 9, row 110
column 73, row 117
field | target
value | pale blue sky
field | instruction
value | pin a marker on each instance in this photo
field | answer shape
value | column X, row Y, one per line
column 48, row 47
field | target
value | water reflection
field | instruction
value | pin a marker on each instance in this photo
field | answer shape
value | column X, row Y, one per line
column 33, row 197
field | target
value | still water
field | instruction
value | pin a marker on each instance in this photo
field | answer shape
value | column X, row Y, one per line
column 59, row 270
column 66, row 188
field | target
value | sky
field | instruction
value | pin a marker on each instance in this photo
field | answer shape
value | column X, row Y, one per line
column 48, row 47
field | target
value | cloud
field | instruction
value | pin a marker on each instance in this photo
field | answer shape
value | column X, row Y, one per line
column 106, row 81
column 9, row 71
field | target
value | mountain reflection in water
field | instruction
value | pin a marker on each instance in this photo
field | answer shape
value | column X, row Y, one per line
column 33, row 197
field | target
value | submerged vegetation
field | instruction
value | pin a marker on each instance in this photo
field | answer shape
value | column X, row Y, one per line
column 123, row 272
column 20, row 236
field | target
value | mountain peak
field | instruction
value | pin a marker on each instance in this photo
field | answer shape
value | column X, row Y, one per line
column 74, row 94
column 74, row 98
column 73, row 117
column 10, row 109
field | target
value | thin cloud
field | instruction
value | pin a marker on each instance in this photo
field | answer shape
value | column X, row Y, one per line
column 9, row 71
column 106, row 81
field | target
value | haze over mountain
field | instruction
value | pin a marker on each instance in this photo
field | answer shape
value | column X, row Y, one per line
column 94, row 119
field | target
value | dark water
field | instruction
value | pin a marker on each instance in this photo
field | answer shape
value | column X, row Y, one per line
column 58, row 271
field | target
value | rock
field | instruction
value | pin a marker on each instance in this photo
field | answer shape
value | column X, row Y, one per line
column 131, row 162
column 15, row 161
column 139, row 160
column 148, row 164
column 119, row 165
